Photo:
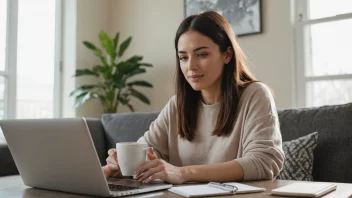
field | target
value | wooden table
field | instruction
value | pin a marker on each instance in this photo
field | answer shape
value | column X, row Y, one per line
column 13, row 187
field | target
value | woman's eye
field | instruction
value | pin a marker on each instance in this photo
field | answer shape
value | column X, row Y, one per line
column 183, row 58
column 202, row 55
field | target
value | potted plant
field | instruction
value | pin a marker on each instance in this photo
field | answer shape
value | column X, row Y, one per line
column 114, row 86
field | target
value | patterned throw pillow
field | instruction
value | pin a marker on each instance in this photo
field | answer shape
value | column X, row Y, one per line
column 299, row 157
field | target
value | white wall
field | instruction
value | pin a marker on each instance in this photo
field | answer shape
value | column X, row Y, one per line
column 153, row 24
column 92, row 16
column 271, row 52
column 83, row 19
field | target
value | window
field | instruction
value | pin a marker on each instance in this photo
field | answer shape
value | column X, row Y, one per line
column 29, row 58
column 323, row 30
column 3, row 28
column 35, row 59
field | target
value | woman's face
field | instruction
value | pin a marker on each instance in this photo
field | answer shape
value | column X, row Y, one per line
column 201, row 61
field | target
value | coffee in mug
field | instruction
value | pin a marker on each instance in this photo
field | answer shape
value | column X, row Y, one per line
column 130, row 156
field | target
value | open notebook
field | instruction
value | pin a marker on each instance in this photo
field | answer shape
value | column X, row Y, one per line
column 213, row 189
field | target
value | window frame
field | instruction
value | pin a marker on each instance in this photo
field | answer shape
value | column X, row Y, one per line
column 9, row 74
column 11, row 59
column 302, row 48
column 58, row 66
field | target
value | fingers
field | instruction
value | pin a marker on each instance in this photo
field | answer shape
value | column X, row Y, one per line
column 111, row 172
column 112, row 163
column 159, row 175
column 148, row 173
column 112, row 168
column 112, row 153
column 151, row 154
column 107, row 171
column 112, row 156
column 116, row 174
column 148, row 165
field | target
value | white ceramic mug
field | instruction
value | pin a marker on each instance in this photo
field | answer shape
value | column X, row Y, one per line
column 130, row 156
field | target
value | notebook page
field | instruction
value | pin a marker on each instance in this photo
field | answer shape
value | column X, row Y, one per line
column 198, row 190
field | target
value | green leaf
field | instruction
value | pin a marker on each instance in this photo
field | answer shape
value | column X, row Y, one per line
column 124, row 46
column 89, row 45
column 99, row 69
column 81, row 95
column 140, row 83
column 116, row 40
column 105, row 71
column 119, row 85
column 85, row 88
column 118, row 81
column 103, row 60
column 107, row 43
column 135, row 59
column 131, row 107
column 137, row 71
column 115, row 43
column 126, row 94
column 145, row 64
column 98, row 52
column 125, row 67
column 123, row 101
column 80, row 101
column 117, row 77
column 82, row 72
column 95, row 50
column 109, row 73
column 139, row 95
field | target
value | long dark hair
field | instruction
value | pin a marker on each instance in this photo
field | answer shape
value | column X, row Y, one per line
column 235, row 76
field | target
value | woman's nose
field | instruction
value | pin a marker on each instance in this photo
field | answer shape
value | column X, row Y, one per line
column 192, row 64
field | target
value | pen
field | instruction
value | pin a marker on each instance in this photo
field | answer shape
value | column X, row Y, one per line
column 226, row 187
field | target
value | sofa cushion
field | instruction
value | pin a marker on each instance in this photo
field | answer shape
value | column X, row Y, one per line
column 126, row 127
column 299, row 156
column 332, row 156
column 97, row 132
column 7, row 164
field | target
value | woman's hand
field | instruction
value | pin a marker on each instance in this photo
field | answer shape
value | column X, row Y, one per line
column 112, row 169
column 158, row 169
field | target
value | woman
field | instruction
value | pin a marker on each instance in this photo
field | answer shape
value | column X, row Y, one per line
column 222, row 125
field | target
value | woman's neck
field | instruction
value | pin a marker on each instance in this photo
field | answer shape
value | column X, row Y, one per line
column 210, row 98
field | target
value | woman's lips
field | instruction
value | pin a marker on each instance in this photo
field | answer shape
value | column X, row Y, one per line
column 195, row 78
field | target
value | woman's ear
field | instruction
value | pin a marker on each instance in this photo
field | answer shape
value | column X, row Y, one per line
column 228, row 54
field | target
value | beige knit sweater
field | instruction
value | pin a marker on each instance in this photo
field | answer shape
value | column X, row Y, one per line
column 255, row 142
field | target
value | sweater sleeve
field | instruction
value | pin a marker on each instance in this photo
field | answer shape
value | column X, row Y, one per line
column 158, row 134
column 262, row 154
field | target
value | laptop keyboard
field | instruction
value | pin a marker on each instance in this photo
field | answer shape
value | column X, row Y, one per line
column 116, row 187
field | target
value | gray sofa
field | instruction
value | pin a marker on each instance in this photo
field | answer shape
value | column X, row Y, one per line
column 332, row 157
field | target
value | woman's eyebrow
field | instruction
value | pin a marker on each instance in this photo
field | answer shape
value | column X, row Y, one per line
column 196, row 49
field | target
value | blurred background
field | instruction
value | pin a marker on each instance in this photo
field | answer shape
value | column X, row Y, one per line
column 302, row 50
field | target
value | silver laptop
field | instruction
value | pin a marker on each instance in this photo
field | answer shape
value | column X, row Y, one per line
column 59, row 154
